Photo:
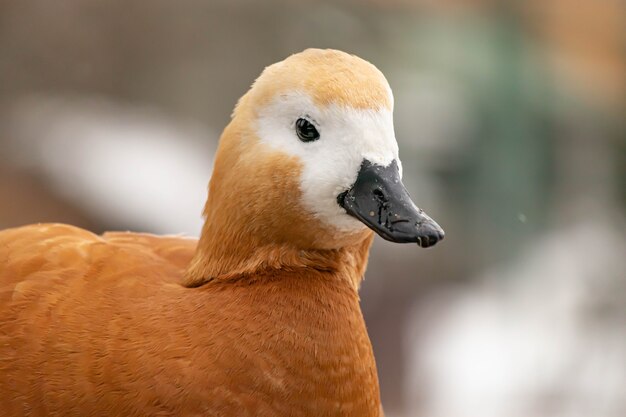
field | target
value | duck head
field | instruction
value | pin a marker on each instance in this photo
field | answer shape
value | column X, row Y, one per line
column 310, row 160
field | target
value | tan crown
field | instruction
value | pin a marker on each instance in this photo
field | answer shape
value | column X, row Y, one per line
column 327, row 76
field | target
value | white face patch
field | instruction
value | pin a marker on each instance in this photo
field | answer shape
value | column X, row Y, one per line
column 331, row 163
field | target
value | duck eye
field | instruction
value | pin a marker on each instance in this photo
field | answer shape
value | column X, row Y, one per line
column 306, row 131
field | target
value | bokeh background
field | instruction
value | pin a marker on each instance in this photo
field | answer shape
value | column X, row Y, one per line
column 510, row 120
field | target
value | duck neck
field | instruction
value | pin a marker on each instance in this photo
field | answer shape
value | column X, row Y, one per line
column 224, row 253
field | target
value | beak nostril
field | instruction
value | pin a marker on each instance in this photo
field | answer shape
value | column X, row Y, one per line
column 380, row 196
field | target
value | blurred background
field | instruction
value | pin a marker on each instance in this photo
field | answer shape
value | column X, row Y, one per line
column 510, row 120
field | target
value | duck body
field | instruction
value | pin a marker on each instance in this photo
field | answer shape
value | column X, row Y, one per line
column 100, row 325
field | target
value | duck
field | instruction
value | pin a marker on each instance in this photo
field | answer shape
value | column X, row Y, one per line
column 260, row 316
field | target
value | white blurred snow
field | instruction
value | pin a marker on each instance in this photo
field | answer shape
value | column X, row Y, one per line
column 543, row 337
column 127, row 165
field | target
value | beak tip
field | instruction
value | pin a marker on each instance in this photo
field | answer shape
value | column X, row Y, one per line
column 430, row 234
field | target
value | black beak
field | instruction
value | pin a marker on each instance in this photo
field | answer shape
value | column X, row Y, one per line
column 379, row 200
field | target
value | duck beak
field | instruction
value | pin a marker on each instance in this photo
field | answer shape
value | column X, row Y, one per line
column 379, row 200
